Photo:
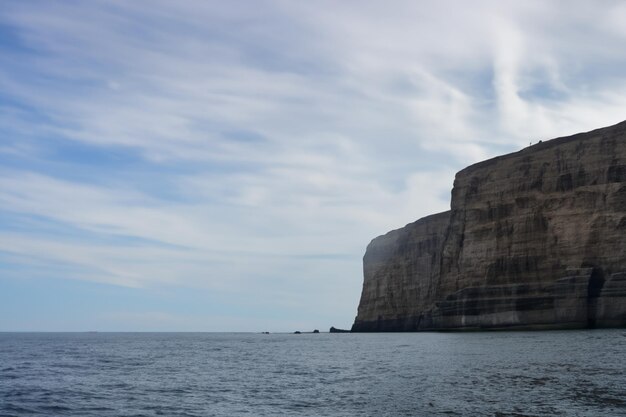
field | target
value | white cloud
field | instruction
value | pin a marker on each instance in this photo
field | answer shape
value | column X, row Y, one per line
column 270, row 155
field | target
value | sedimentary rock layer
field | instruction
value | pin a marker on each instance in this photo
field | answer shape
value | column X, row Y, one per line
column 534, row 239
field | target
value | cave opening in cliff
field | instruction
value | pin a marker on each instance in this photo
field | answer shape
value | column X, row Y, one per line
column 596, row 282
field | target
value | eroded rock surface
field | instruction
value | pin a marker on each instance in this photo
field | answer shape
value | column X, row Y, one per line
column 536, row 239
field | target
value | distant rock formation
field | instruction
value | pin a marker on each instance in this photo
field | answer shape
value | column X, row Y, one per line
column 534, row 239
column 335, row 330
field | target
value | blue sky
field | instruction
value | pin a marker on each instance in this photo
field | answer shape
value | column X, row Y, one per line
column 221, row 166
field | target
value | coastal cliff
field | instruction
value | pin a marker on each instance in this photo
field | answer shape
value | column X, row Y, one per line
column 533, row 239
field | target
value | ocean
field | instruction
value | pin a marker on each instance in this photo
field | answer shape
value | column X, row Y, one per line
column 549, row 373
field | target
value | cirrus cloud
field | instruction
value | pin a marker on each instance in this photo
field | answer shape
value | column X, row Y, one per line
column 251, row 150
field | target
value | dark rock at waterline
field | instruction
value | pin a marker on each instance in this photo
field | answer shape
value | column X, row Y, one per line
column 297, row 332
column 335, row 330
column 534, row 239
column 316, row 331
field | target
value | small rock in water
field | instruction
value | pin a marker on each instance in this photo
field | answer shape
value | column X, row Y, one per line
column 336, row 330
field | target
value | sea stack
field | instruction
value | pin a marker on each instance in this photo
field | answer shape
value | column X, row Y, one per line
column 535, row 239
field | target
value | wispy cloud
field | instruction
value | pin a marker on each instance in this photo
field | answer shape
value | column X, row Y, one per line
column 254, row 149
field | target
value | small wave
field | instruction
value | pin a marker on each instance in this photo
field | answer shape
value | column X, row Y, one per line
column 14, row 408
column 56, row 408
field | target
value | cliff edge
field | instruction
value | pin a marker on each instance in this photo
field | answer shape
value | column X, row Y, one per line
column 533, row 239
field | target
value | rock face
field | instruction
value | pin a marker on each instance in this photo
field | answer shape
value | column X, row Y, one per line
column 534, row 239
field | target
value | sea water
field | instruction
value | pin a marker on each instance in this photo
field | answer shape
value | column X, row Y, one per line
column 569, row 373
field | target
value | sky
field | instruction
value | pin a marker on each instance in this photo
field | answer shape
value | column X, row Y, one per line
column 222, row 166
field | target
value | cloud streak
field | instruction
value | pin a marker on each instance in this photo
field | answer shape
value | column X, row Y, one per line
column 254, row 149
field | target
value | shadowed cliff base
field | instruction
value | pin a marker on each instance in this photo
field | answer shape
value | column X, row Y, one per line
column 535, row 239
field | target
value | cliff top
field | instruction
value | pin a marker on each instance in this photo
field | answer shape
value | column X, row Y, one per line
column 547, row 144
column 392, row 234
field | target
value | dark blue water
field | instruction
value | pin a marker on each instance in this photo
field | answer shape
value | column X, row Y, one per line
column 573, row 373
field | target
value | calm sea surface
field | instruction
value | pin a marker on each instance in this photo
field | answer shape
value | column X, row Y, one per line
column 570, row 373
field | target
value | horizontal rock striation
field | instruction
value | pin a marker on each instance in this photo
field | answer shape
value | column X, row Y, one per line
column 534, row 239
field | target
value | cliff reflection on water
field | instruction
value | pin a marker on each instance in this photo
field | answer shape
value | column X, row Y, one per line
column 573, row 373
